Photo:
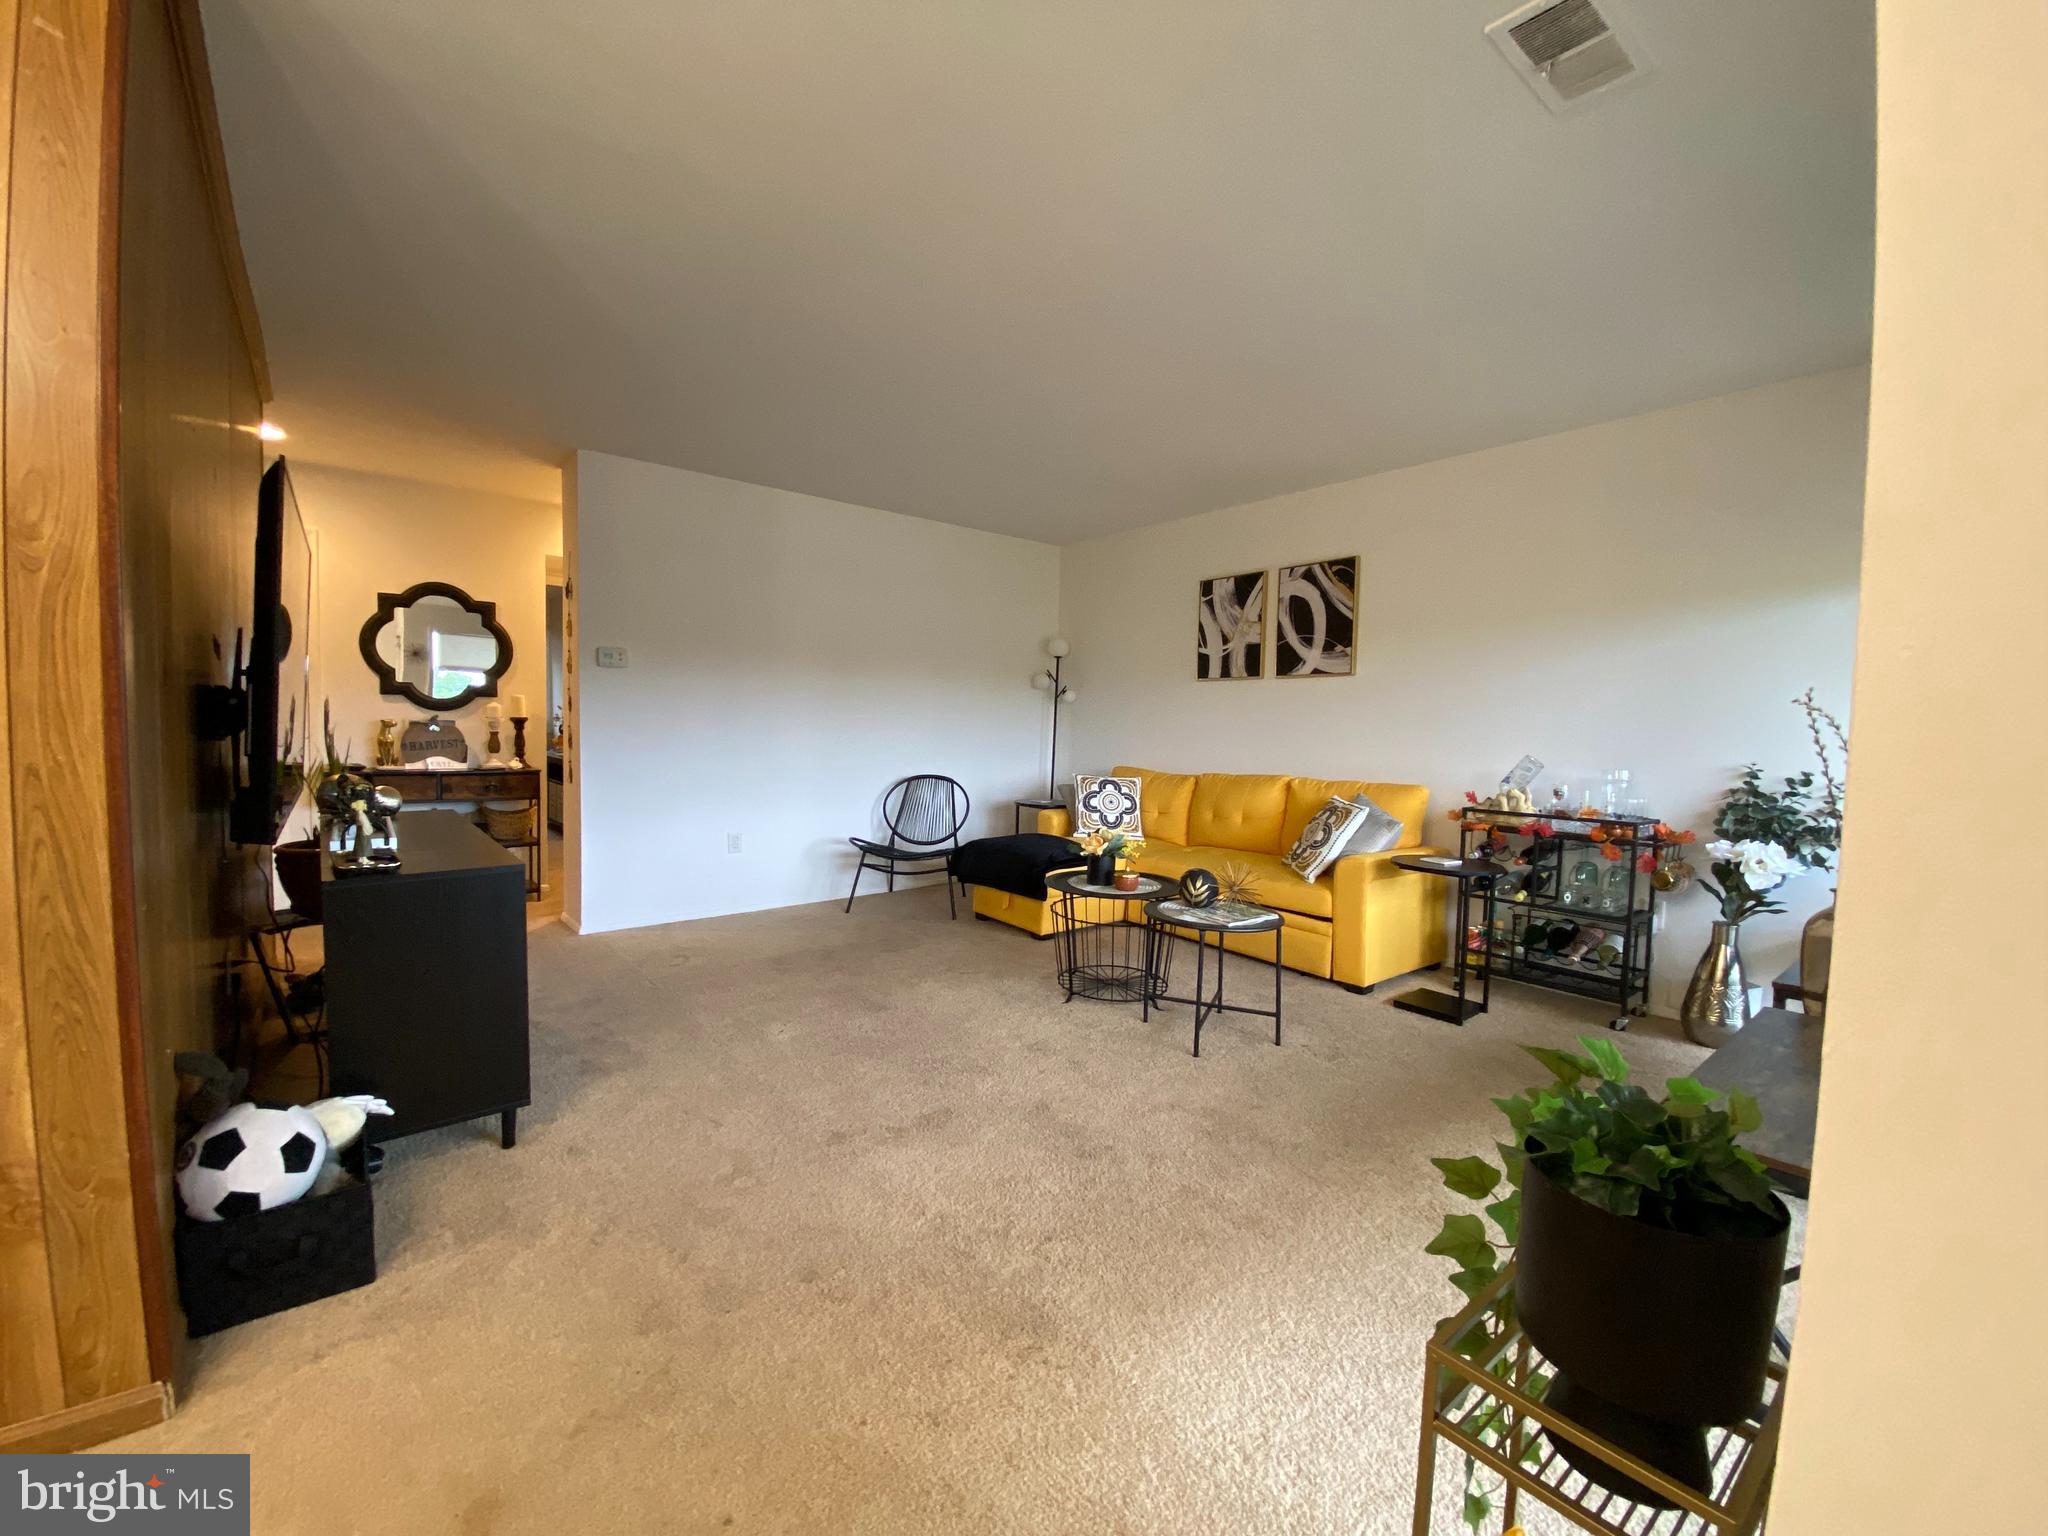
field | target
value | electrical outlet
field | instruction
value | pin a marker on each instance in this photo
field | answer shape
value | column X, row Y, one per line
column 611, row 655
column 732, row 842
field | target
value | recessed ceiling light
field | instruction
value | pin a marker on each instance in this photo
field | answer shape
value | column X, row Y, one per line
column 270, row 431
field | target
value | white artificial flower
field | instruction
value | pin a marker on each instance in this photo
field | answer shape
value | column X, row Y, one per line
column 1763, row 866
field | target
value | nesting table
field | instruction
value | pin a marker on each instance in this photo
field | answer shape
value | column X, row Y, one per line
column 1167, row 920
column 1101, row 956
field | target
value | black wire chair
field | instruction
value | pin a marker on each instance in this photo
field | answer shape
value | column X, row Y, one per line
column 924, row 814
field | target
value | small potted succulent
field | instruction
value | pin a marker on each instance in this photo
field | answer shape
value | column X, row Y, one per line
column 1649, row 1250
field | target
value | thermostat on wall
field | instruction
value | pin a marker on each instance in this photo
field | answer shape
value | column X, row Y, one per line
column 611, row 655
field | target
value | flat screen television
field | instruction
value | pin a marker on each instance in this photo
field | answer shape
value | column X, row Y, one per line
column 277, row 675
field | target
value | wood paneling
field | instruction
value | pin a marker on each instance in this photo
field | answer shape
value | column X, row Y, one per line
column 31, row 1376
column 129, row 392
column 58, row 693
column 190, row 461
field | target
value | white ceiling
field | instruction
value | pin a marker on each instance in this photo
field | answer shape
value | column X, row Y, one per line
column 1049, row 267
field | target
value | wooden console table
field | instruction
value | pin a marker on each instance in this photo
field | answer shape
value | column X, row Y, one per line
column 443, row 787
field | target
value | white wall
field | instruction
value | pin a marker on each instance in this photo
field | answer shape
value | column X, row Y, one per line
column 788, row 658
column 1910, row 1406
column 377, row 534
column 1648, row 593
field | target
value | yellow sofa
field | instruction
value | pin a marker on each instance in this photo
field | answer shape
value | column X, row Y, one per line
column 1362, row 922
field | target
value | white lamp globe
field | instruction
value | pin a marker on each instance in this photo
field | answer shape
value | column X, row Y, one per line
column 1056, row 646
column 1070, row 693
column 1040, row 681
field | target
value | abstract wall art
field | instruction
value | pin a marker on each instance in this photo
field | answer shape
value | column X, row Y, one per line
column 1230, row 632
column 1315, row 619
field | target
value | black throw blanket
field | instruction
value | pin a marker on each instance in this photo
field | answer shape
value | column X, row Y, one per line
column 1017, row 864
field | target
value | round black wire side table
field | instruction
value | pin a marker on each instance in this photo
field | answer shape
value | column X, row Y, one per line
column 1100, row 954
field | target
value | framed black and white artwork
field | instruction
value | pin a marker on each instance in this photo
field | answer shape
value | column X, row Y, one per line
column 1230, row 627
column 1315, row 619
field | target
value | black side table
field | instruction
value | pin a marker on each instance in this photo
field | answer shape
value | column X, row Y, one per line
column 1474, row 877
column 1163, row 927
column 1017, row 815
column 1100, row 955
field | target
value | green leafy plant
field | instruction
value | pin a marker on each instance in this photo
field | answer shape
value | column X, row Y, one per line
column 1793, row 817
column 331, row 762
column 1671, row 1162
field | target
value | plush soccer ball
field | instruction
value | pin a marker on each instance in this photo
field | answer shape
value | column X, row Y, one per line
column 250, row 1159
column 1198, row 888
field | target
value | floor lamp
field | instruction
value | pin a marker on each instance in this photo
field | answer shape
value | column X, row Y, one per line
column 1047, row 680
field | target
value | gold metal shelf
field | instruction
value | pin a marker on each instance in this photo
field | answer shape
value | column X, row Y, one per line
column 1503, row 1424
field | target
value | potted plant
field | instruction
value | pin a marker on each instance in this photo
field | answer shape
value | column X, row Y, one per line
column 1103, row 850
column 1765, row 837
column 1649, row 1250
column 1127, row 863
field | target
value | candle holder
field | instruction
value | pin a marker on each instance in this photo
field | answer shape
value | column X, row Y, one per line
column 519, row 742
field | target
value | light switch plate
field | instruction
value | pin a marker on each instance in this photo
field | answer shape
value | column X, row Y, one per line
column 611, row 655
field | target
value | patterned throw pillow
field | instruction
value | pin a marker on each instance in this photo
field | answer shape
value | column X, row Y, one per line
column 1323, row 840
column 1105, row 803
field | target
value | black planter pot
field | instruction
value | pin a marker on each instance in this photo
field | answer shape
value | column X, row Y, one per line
column 298, row 871
column 1101, row 868
column 1655, row 1334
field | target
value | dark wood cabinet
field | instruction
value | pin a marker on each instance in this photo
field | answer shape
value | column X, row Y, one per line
column 426, row 979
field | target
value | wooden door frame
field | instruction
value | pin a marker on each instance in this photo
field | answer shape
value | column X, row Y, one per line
column 67, row 958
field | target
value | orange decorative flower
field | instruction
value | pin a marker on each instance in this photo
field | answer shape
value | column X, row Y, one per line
column 1611, row 853
column 1597, row 835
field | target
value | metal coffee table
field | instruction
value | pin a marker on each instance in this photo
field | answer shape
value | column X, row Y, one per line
column 1167, row 920
column 1100, row 955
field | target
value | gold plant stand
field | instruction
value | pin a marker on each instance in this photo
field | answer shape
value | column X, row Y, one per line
column 1496, row 1420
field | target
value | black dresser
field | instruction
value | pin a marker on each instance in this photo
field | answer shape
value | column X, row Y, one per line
column 426, row 979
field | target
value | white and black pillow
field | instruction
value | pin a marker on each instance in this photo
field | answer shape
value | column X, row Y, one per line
column 1105, row 803
column 1323, row 840
column 1341, row 827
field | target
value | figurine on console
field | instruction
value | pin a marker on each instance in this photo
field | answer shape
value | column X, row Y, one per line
column 354, row 814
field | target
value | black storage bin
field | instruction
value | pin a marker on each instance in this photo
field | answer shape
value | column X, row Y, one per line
column 251, row 1266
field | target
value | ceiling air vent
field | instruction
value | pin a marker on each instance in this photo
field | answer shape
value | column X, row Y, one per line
column 1566, row 50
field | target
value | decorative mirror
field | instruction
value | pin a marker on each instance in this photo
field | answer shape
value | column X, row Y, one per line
column 436, row 645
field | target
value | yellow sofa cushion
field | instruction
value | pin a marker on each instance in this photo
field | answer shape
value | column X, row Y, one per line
column 1273, row 883
column 1162, row 802
column 1244, row 811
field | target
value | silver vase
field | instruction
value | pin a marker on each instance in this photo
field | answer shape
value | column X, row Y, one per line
column 1717, row 998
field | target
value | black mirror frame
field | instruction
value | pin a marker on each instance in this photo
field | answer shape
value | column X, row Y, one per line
column 388, row 604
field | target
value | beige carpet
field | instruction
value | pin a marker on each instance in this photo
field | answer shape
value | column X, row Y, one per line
column 846, row 1224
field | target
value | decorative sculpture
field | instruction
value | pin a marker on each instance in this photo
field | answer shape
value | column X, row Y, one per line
column 354, row 814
